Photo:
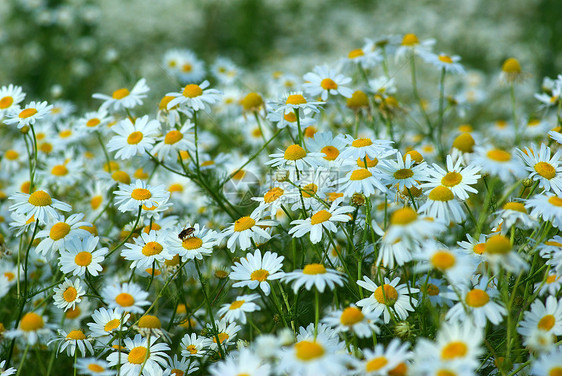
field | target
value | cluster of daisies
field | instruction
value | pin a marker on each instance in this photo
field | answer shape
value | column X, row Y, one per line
column 328, row 223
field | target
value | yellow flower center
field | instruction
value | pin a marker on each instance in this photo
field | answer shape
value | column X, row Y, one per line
column 400, row 370
column 308, row 350
column 138, row 355
column 83, row 258
column 10, row 276
column 28, row 112
column 125, row 299
column 96, row 202
column 512, row 66
column 259, row 275
column 251, row 101
column 236, row 304
column 555, row 371
column 551, row 279
column 95, row 368
column 351, row 316
column 152, row 248
column 432, row 290
column 403, row 216
column 40, row 198
column 546, row 323
column 120, row 93
column 291, row 117
column 222, row 337
column 178, row 372
column 555, row 201
column 443, row 260
column 6, row 102
column 331, row 152
column 294, row 152
column 360, row 174
column 192, row 243
column 76, row 335
column 370, row 162
column 309, row 190
column 65, row 133
column 31, row 322
column 172, row 137
column 479, row 248
column 546, row 170
column 320, row 217
column 312, row 269
column 464, row 142
column 499, row 155
column 386, row 294
column 358, row 99
column 553, row 243
column 273, row 194
column 376, row 363
column 356, row 53
column 477, row 298
column 59, row 230
column 163, row 105
column 186, row 68
column 441, row 193
column 454, row 350
column 451, row 179
column 445, row 372
column 141, row 194
column 112, row 325
column 11, row 155
column 410, row 40
column 328, row 84
column 403, row 173
column 192, row 349
column 59, row 170
column 515, row 206
column 498, row 245
column 414, row 155
column 361, row 142
column 134, row 138
column 295, row 99
column 70, row 294
column 445, row 59
column 150, row 322
column 243, row 224
column 73, row 313
column 93, row 122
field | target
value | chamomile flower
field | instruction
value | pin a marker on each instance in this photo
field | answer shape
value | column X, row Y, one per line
column 130, row 197
column 513, row 213
column 148, row 249
column 32, row 327
column 362, row 180
column 364, row 147
column 68, row 294
column 479, row 305
column 389, row 298
column 236, row 311
column 225, row 70
column 389, row 361
column 411, row 44
column 80, row 256
column 543, row 168
column 59, row 232
column 546, row 318
column 144, row 356
column 548, row 363
column 32, row 112
column 10, row 97
column 72, row 340
column 324, row 219
column 244, row 362
column 404, row 172
column 323, row 81
column 450, row 63
column 294, row 156
column 128, row 297
column 498, row 162
column 314, row 275
column 133, row 138
column 123, row 98
column 548, row 207
column 194, row 96
column 93, row 367
column 184, row 64
column 200, row 243
column 62, row 172
column 354, row 320
column 298, row 103
column 194, row 346
column 273, row 200
column 173, row 142
column 107, row 322
column 245, row 229
column 38, row 205
column 330, row 146
column 255, row 271
column 225, row 332
column 409, row 227
column 437, row 291
column 442, row 205
column 456, row 178
column 94, row 121
column 454, row 265
column 551, row 286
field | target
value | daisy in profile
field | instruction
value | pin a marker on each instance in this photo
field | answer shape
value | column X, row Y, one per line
column 450, row 63
column 456, row 178
column 548, row 363
column 71, row 341
column 148, row 249
column 10, row 97
column 194, row 346
column 94, row 121
column 296, row 102
column 454, row 265
column 123, row 98
column 141, row 356
column 551, row 286
column 93, row 367
column 389, row 361
column 130, row 197
column 184, row 64
column 128, row 297
column 289, row 119
column 59, row 232
column 181, row 366
column 225, row 332
column 243, row 362
column 80, row 256
column 194, row 96
column 32, row 327
column 412, row 45
column 236, row 311
column 32, row 112
column 548, row 207
column 245, row 230
column 38, row 205
column 408, row 227
column 323, row 81
column 107, row 322
column 389, row 298
column 362, row 180
column 497, row 162
column 173, row 142
column 364, row 147
column 200, row 243
column 255, row 271
column 352, row 319
column 479, row 305
column 544, row 168
column 513, row 213
column 294, row 156
column 273, row 200
column 225, row 70
column 324, row 219
column 404, row 172
column 133, row 138
column 437, row 291
column 314, row 275
column 68, row 294
column 441, row 204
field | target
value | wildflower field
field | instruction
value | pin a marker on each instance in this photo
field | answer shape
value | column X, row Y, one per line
column 367, row 207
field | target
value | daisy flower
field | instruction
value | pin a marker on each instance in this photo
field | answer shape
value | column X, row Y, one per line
column 546, row 317
column 297, row 103
column 107, row 322
column 354, row 320
column 225, row 70
column 549, row 99
column 323, row 81
column 81, row 256
column 549, row 363
column 364, row 147
column 330, row 146
column 290, row 119
column 148, row 249
column 389, row 361
column 409, row 227
column 38, row 205
column 128, row 297
column 194, row 96
column 72, row 340
column 411, row 44
column 442, row 205
column 68, row 294
column 133, row 138
column 31, row 328
column 181, row 366
column 123, row 98
column 390, row 297
column 497, row 162
column 173, row 142
column 94, row 121
column 480, row 304
column 314, row 275
column 200, row 243
column 62, row 171
column 255, row 271
column 93, row 367
column 513, row 213
column 142, row 357
column 362, row 180
column 130, row 197
column 552, row 284
column 455, row 266
column 547, row 206
column 59, row 232
column 404, row 172
column 320, row 220
column 245, row 230
column 437, row 291
column 226, row 333
column 244, row 362
column 236, row 311
column 543, row 168
column 273, row 200
column 194, row 346
column 184, row 64
column 10, row 97
column 32, row 112
column 294, row 156
column 447, row 62
column 456, row 178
